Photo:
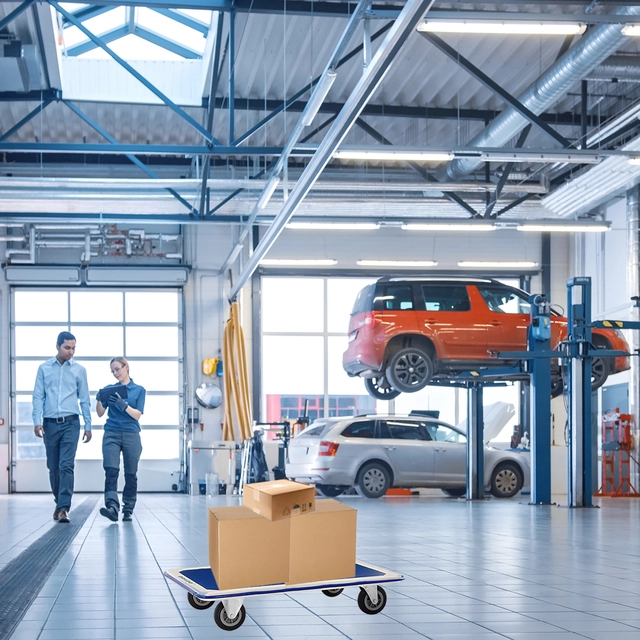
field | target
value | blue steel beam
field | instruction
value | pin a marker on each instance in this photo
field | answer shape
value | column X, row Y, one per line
column 184, row 19
column 15, row 13
column 166, row 43
column 29, row 116
column 232, row 74
column 290, row 101
column 181, row 112
column 41, row 49
column 86, row 13
column 131, row 157
column 145, row 149
column 89, row 45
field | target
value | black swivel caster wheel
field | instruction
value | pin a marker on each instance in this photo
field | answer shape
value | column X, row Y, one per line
column 332, row 593
column 225, row 622
column 198, row 603
column 365, row 604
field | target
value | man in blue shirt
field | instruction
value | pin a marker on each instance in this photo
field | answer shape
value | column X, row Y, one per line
column 60, row 384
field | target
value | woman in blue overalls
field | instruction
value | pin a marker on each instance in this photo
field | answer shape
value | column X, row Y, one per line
column 121, row 435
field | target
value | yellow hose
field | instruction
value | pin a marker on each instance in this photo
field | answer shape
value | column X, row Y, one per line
column 237, row 404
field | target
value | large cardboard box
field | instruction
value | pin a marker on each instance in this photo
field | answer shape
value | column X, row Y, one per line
column 323, row 543
column 247, row 550
column 279, row 499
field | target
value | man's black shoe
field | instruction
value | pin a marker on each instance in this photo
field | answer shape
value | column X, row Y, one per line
column 126, row 516
column 109, row 512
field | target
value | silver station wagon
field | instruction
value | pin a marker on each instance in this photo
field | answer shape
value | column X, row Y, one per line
column 374, row 453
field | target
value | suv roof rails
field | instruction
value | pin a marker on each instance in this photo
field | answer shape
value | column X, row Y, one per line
column 434, row 278
column 429, row 413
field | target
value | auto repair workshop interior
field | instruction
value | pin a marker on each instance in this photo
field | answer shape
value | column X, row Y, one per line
column 320, row 319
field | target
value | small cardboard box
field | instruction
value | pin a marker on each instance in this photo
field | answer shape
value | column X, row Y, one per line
column 279, row 499
column 323, row 543
column 246, row 550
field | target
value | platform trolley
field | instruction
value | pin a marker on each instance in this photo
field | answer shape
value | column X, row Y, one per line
column 230, row 613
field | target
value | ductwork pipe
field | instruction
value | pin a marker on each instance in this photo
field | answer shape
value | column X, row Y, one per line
column 575, row 65
column 625, row 68
column 31, row 253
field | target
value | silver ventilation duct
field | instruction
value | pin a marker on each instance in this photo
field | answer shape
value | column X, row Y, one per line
column 576, row 64
column 623, row 68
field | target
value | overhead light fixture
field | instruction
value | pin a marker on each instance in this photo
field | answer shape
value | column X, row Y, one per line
column 269, row 188
column 318, row 96
column 478, row 264
column 449, row 226
column 565, row 228
column 396, row 263
column 393, row 156
column 504, row 28
column 631, row 30
column 334, row 226
column 291, row 262
column 634, row 160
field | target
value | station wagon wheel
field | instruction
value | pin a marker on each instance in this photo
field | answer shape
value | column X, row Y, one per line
column 380, row 388
column 506, row 480
column 409, row 370
column 373, row 480
column 199, row 603
column 225, row 622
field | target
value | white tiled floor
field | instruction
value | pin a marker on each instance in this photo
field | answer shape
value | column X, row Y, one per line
column 491, row 569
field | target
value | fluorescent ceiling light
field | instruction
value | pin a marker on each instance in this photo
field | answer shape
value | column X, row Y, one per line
column 379, row 154
column 516, row 28
column 334, row 226
column 564, row 228
column 396, row 263
column 269, row 188
column 634, row 161
column 290, row 262
column 497, row 264
column 318, row 96
column 631, row 30
column 452, row 226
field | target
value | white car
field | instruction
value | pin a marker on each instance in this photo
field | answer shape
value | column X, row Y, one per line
column 374, row 453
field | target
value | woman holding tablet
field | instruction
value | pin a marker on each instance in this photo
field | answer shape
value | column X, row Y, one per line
column 125, row 403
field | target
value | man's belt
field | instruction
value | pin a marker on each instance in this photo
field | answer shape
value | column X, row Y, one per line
column 61, row 419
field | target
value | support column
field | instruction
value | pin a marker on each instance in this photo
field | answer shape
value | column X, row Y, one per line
column 633, row 337
column 475, row 443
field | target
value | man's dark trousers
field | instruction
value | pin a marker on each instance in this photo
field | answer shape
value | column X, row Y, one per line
column 61, row 444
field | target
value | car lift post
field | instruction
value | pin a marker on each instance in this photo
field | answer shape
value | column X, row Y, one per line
column 538, row 338
column 475, row 442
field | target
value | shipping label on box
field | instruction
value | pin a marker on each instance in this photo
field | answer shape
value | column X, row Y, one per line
column 247, row 550
column 323, row 543
column 279, row 499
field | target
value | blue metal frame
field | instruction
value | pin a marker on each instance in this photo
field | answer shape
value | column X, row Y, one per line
column 131, row 157
column 89, row 45
column 475, row 442
column 186, row 20
column 86, row 13
column 41, row 48
column 166, row 43
column 41, row 107
column 232, row 75
column 181, row 112
column 15, row 13
column 144, row 149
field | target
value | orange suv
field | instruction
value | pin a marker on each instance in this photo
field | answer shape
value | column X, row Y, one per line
column 405, row 332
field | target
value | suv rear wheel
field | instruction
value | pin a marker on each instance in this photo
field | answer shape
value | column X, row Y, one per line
column 373, row 480
column 506, row 480
column 380, row 388
column 409, row 370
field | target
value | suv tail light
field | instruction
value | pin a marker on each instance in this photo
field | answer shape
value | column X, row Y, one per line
column 370, row 319
column 328, row 448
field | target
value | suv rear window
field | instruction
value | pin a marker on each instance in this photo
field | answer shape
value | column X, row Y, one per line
column 445, row 297
column 393, row 297
column 364, row 301
column 363, row 429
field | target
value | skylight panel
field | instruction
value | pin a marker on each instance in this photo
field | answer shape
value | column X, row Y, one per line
column 99, row 25
column 131, row 47
column 170, row 29
column 71, row 7
column 198, row 14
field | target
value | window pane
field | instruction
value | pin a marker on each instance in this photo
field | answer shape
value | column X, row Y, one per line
column 341, row 295
column 160, row 445
column 439, row 297
column 25, row 375
column 359, row 430
column 41, row 306
column 24, row 409
column 156, row 376
column 98, row 341
column 161, row 410
column 98, row 373
column 503, row 300
column 339, row 382
column 406, row 430
column 284, row 372
column 37, row 341
column 29, row 446
column 152, row 341
column 293, row 305
column 394, row 297
column 96, row 306
column 151, row 306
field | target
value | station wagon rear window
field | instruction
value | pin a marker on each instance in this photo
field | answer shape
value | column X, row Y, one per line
column 359, row 430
